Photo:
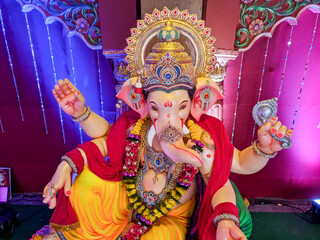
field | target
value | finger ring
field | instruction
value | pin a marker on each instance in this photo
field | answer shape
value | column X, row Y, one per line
column 54, row 188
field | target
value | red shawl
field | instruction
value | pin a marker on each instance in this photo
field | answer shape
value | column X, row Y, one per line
column 219, row 176
column 64, row 217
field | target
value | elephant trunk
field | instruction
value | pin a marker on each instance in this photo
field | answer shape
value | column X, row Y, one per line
column 170, row 138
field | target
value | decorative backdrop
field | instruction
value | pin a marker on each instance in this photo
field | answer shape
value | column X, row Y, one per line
column 286, row 66
column 34, row 133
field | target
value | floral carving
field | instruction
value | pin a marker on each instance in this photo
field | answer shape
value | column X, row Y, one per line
column 258, row 17
column 256, row 27
column 82, row 25
column 80, row 16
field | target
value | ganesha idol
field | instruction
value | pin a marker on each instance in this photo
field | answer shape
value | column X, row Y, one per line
column 161, row 171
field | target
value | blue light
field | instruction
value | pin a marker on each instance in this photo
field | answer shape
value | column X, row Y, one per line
column 11, row 65
column 56, row 81
column 317, row 201
column 36, row 71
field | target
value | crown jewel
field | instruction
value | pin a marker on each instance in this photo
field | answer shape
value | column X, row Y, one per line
column 169, row 75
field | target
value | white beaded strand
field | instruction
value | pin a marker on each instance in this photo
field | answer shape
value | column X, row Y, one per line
column 11, row 64
column 2, row 130
column 261, row 82
column 100, row 84
column 36, row 71
column 74, row 79
column 237, row 99
column 56, row 81
column 305, row 70
column 285, row 62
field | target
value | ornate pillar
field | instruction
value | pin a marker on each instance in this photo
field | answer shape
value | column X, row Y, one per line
column 121, row 75
column 218, row 75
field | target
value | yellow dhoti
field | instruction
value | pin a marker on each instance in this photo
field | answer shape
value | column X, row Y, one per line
column 102, row 210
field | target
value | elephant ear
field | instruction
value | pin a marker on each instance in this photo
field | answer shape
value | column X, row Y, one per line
column 134, row 100
column 207, row 93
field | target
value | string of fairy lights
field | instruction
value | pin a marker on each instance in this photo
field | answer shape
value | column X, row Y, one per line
column 36, row 72
column 261, row 82
column 74, row 77
column 56, row 81
column 11, row 66
column 100, row 83
column 237, row 99
column 1, row 126
column 305, row 70
column 285, row 62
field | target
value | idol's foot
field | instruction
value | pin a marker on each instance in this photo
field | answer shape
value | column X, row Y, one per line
column 45, row 233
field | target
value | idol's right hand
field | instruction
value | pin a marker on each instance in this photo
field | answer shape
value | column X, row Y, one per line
column 69, row 98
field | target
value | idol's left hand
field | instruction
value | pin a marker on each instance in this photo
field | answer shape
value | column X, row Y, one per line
column 266, row 142
column 228, row 230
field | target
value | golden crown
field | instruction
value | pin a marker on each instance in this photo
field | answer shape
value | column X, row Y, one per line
column 170, row 26
column 169, row 75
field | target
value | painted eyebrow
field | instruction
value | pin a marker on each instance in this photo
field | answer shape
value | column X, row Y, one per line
column 153, row 102
column 185, row 101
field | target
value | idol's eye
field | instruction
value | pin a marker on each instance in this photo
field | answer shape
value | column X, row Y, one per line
column 154, row 108
column 183, row 107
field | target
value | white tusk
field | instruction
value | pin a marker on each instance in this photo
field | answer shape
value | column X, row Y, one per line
column 185, row 130
column 151, row 134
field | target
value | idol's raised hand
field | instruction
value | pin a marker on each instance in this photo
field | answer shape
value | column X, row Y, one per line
column 69, row 98
column 269, row 144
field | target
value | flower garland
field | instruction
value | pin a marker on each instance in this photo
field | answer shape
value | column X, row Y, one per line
column 148, row 216
column 195, row 136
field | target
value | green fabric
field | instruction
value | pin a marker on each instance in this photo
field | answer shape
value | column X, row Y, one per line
column 244, row 214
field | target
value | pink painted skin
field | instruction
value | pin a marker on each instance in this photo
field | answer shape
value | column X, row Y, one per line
column 177, row 103
column 189, row 153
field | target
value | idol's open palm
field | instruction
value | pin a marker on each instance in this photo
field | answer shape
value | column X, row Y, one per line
column 69, row 98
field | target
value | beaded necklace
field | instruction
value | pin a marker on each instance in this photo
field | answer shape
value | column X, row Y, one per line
column 184, row 176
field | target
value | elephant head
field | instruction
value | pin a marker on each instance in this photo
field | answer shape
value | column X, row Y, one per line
column 169, row 104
